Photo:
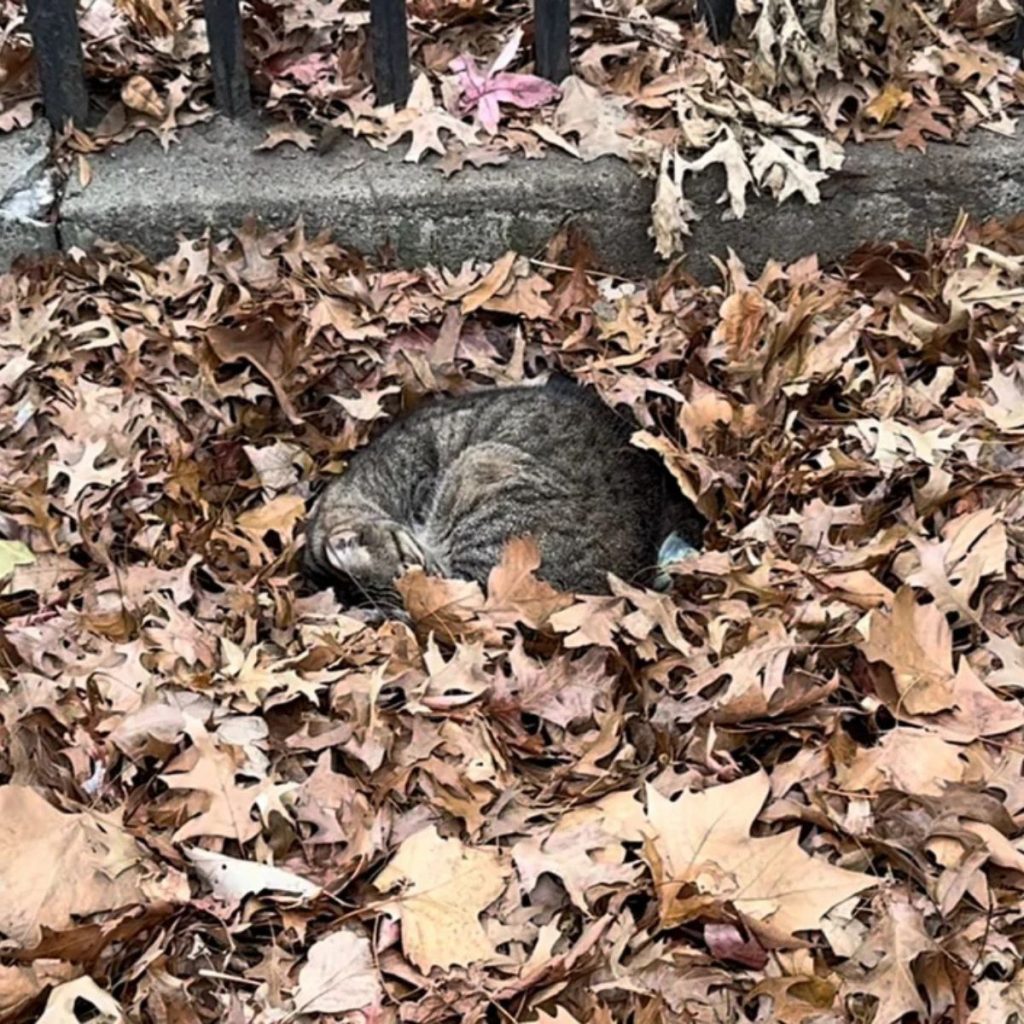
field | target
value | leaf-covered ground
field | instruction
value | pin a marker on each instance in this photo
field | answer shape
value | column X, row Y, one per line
column 790, row 789
column 771, row 106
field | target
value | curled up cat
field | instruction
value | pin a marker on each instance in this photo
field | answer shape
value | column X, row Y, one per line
column 447, row 485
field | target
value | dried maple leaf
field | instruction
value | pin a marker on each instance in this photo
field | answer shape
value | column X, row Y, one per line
column 228, row 813
column 889, row 952
column 973, row 546
column 702, row 840
column 514, row 594
column 482, row 93
column 446, row 887
column 915, row 641
column 561, row 690
column 339, row 975
column 56, row 868
column 422, row 119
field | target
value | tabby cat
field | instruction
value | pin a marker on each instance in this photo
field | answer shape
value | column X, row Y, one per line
column 447, row 485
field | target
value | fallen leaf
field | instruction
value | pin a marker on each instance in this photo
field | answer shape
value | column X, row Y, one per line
column 729, row 153
column 67, row 1002
column 232, row 879
column 890, row 951
column 973, row 546
column 425, row 122
column 280, row 515
column 595, row 118
column 703, row 840
column 339, row 975
column 228, row 813
column 12, row 555
column 287, row 134
column 56, row 868
column 515, row 594
column 915, row 641
column 446, row 887
column 138, row 93
column 440, row 606
column 482, row 93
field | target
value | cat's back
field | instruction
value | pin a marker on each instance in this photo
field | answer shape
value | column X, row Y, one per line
column 559, row 417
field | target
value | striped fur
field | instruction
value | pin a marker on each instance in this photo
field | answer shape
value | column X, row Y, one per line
column 446, row 486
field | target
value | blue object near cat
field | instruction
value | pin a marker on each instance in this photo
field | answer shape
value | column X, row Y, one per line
column 673, row 549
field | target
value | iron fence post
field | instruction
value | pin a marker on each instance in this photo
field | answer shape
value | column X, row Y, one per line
column 58, row 52
column 227, row 55
column 389, row 37
column 551, row 28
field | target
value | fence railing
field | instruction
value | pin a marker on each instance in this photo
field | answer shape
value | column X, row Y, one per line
column 58, row 50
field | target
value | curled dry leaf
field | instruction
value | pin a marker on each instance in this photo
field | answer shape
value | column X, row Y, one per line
column 67, row 1002
column 138, row 93
column 232, row 879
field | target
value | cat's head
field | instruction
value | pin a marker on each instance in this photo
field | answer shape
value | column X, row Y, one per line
column 359, row 558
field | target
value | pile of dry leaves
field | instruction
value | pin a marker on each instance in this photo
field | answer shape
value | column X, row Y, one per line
column 790, row 789
column 772, row 106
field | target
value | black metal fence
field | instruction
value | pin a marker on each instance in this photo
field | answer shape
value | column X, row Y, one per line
column 58, row 49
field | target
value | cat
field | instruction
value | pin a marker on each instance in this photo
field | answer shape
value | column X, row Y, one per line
column 446, row 486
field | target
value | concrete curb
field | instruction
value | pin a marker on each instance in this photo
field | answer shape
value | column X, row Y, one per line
column 372, row 200
column 26, row 194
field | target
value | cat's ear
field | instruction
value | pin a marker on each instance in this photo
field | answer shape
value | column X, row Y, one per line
column 560, row 382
